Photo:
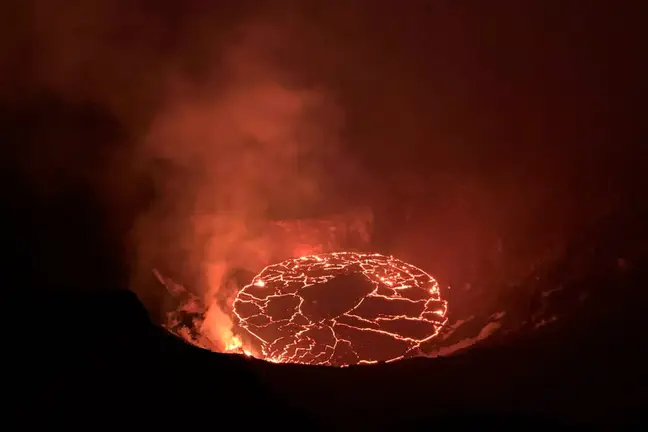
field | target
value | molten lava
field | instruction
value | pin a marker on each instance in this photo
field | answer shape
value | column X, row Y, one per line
column 340, row 309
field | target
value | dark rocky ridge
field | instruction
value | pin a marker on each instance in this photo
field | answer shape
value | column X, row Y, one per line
column 103, row 357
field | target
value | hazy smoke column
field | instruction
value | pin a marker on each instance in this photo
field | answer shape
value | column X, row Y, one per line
column 241, row 145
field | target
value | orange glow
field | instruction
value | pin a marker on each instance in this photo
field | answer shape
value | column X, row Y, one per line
column 400, row 295
column 236, row 345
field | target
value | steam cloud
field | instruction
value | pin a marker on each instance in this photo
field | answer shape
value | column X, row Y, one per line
column 245, row 144
column 218, row 118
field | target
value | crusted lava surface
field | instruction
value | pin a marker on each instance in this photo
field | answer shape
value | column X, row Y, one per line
column 340, row 309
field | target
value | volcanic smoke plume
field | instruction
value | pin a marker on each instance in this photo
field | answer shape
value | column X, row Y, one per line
column 238, row 151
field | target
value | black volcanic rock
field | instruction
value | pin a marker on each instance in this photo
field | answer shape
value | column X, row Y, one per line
column 105, row 359
column 113, row 362
column 99, row 354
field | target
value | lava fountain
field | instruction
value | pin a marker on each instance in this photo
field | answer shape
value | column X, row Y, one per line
column 340, row 309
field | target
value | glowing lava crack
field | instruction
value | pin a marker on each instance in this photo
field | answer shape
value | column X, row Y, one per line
column 340, row 309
